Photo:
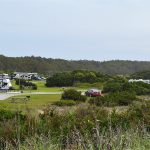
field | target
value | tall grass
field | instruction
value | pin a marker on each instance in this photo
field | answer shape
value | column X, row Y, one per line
column 84, row 128
column 111, row 140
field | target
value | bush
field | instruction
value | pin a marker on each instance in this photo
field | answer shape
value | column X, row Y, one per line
column 112, row 87
column 77, row 76
column 81, row 128
column 65, row 103
column 72, row 94
column 87, row 85
column 25, row 84
column 6, row 114
column 34, row 86
column 114, row 99
column 12, row 88
column 141, row 75
column 139, row 88
column 60, row 80
column 140, row 113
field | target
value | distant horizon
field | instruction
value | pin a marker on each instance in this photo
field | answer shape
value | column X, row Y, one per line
column 75, row 59
column 98, row 30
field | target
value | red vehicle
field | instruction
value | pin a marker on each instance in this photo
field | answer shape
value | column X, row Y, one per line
column 93, row 93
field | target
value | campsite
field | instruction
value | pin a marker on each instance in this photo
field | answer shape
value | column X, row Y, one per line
column 114, row 107
column 74, row 75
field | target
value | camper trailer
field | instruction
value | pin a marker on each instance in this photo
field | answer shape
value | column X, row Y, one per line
column 25, row 76
column 5, row 83
column 139, row 80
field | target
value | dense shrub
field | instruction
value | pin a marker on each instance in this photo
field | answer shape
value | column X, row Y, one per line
column 34, row 86
column 98, row 85
column 78, row 76
column 60, row 80
column 72, row 94
column 6, row 114
column 141, row 75
column 26, row 84
column 84, row 127
column 112, row 87
column 114, row 99
column 140, row 113
column 65, row 103
column 139, row 88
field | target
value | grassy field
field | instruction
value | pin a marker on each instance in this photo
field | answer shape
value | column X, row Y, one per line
column 35, row 102
column 86, row 127
column 42, row 88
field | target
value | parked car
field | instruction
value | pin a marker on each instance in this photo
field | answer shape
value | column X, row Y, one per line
column 93, row 93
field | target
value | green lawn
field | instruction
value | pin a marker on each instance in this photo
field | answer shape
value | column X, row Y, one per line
column 41, row 87
column 36, row 102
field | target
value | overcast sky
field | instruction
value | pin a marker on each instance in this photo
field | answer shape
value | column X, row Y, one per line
column 76, row 29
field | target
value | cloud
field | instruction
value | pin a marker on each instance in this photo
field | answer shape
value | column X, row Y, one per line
column 56, row 27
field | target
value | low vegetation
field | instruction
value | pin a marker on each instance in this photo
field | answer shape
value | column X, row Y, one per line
column 36, row 102
column 141, row 75
column 73, row 121
column 121, row 85
column 40, row 87
column 65, row 103
column 86, row 127
column 26, row 84
column 72, row 78
column 72, row 94
column 49, row 66
column 114, row 99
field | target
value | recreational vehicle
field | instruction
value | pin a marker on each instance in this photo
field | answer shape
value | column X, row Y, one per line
column 5, row 83
column 25, row 76
column 139, row 80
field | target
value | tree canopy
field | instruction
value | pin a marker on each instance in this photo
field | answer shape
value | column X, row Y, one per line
column 70, row 78
column 50, row 66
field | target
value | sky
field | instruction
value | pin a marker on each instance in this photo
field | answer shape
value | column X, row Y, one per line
column 76, row 29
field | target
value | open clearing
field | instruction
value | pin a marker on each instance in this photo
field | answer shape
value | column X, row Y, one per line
column 5, row 96
column 42, row 88
column 36, row 101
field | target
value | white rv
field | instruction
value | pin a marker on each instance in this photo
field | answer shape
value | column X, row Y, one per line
column 5, row 83
column 25, row 76
column 139, row 80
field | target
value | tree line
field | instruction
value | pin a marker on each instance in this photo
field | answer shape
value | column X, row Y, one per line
column 70, row 78
column 141, row 75
column 49, row 66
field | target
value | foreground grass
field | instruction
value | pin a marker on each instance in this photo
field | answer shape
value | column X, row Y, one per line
column 129, row 140
column 35, row 102
column 86, row 128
